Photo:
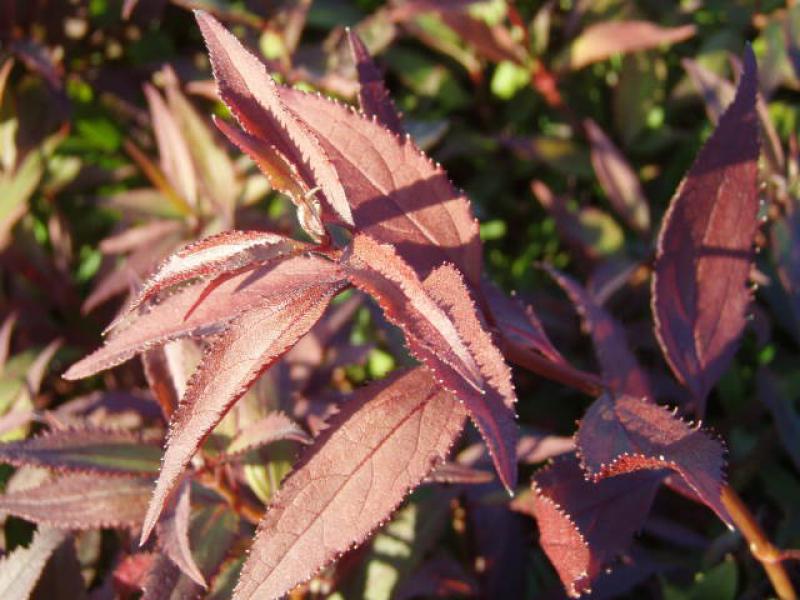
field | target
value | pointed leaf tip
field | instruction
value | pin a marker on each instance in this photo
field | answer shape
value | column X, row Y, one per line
column 700, row 291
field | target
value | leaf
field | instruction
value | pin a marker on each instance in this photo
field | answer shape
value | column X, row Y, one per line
column 704, row 256
column 251, row 94
column 87, row 450
column 624, row 434
column 137, row 237
column 6, row 329
column 82, row 502
column 274, row 427
column 20, row 570
column 173, row 535
column 621, row 371
column 214, row 255
column 584, row 525
column 282, row 175
column 398, row 195
column 206, row 308
column 602, row 40
column 247, row 348
column 158, row 178
column 443, row 330
column 385, row 440
column 214, row 167
column 373, row 97
column 173, row 150
column 617, row 178
column 518, row 324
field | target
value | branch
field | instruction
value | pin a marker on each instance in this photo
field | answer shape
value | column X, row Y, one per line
column 760, row 546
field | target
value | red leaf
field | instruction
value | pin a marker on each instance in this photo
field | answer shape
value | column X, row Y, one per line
column 444, row 331
column 173, row 149
column 196, row 311
column 173, row 535
column 252, row 95
column 584, row 525
column 227, row 251
column 250, row 345
column 704, row 256
column 617, row 178
column 621, row 370
column 82, row 502
column 602, row 40
column 398, row 195
column 138, row 237
column 628, row 434
column 275, row 426
column 385, row 440
column 104, row 451
column 373, row 97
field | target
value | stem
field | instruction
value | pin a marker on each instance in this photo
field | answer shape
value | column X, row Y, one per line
column 760, row 546
column 250, row 512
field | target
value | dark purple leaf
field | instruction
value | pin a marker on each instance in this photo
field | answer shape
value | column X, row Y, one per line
column 704, row 256
column 630, row 433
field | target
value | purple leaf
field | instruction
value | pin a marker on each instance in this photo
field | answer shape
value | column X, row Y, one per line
column 621, row 370
column 82, row 502
column 618, row 179
column 373, row 97
column 250, row 92
column 203, row 309
column 173, row 535
column 704, row 255
column 248, row 347
column 584, row 525
column 84, row 450
column 444, row 331
column 272, row 428
column 385, row 440
column 628, row 434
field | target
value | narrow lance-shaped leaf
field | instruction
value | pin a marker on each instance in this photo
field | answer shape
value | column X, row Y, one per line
column 618, row 179
column 584, row 525
column 173, row 150
column 282, row 175
column 82, row 502
column 250, row 345
column 227, row 251
column 624, row 434
column 274, row 427
column 621, row 371
column 385, row 440
column 199, row 310
column 250, row 92
column 602, row 40
column 700, row 294
column 173, row 535
column 104, row 451
column 443, row 330
column 373, row 97
column 20, row 570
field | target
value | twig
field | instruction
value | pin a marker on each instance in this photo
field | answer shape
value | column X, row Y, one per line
column 760, row 546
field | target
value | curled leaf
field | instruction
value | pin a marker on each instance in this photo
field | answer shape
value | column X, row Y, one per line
column 624, row 434
column 385, row 440
column 274, row 427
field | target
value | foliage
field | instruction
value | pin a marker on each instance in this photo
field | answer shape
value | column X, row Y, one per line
column 349, row 402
